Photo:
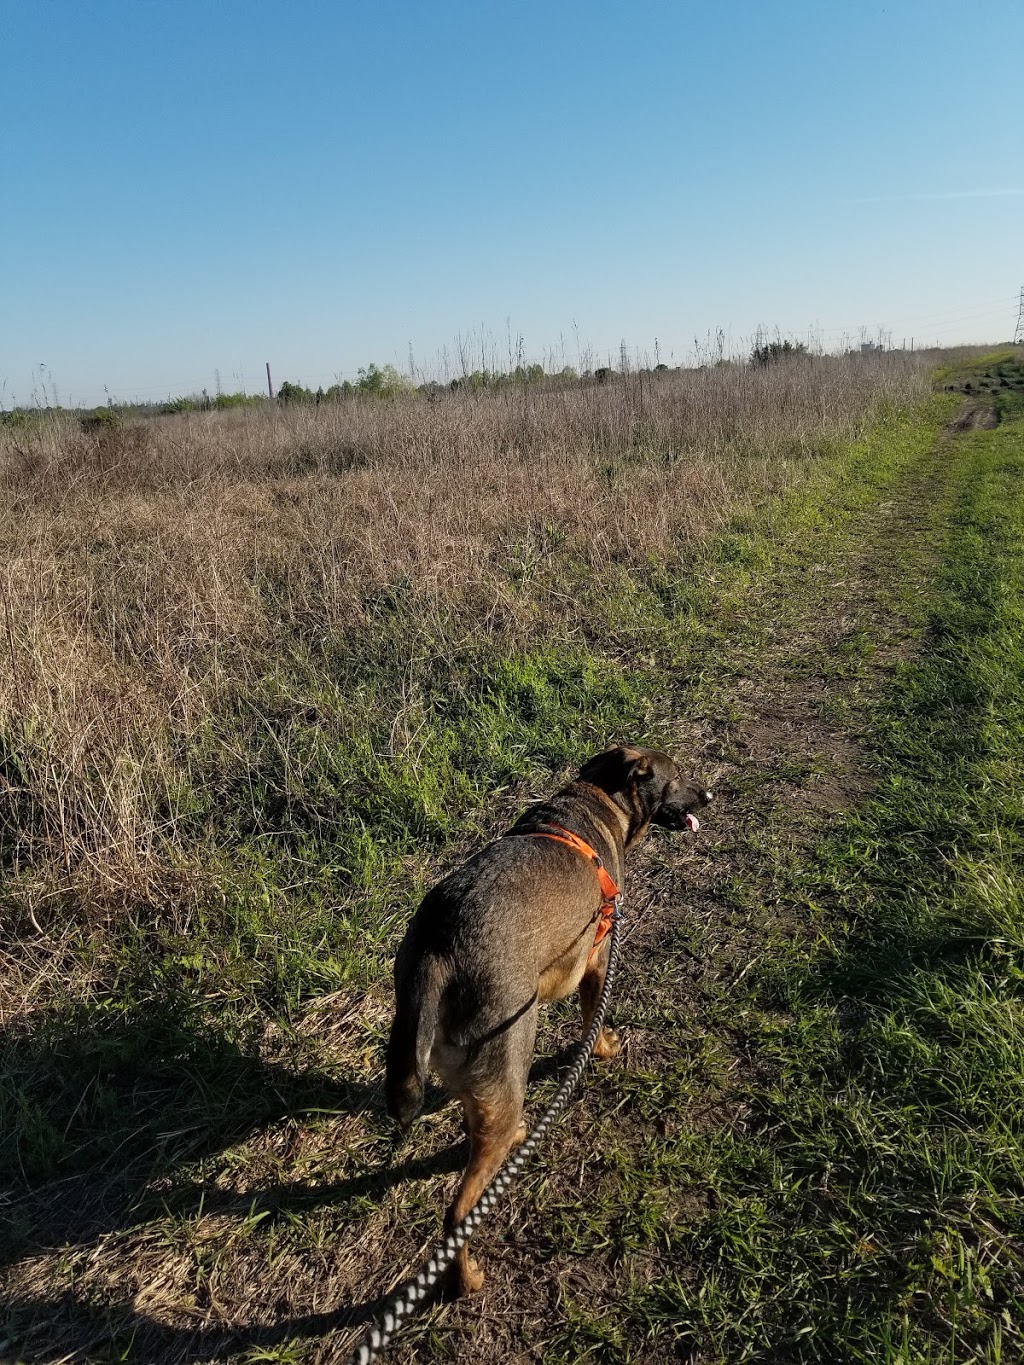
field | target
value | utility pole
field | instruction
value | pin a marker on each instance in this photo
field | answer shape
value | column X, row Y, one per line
column 1018, row 335
column 270, row 386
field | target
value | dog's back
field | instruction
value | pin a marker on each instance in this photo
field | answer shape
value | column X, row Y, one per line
column 512, row 928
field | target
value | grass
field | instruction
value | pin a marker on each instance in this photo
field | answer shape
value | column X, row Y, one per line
column 188, row 598
column 247, row 724
column 870, row 1208
column 257, row 691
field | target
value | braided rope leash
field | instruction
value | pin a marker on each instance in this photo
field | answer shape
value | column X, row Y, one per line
column 405, row 1299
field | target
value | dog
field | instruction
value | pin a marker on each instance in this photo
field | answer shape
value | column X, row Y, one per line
column 522, row 922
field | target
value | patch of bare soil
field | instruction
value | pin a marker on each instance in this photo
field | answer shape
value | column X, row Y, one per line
column 332, row 1216
column 976, row 416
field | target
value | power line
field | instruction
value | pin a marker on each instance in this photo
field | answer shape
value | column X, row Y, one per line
column 925, row 324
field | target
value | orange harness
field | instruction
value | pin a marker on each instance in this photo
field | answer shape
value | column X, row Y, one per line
column 611, row 901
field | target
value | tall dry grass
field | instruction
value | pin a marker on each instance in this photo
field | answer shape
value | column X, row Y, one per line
column 155, row 575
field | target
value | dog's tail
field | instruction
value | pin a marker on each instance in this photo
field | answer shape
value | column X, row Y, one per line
column 412, row 1037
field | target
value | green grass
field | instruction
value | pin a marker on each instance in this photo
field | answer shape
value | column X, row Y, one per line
column 996, row 378
column 866, row 1203
column 315, row 865
column 872, row 1206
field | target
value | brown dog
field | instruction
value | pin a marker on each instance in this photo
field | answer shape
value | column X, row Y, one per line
column 513, row 927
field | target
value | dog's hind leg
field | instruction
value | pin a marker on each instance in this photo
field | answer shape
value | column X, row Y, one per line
column 608, row 1044
column 492, row 1128
column 494, row 1112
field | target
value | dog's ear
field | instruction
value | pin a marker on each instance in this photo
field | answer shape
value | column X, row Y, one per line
column 615, row 768
column 642, row 767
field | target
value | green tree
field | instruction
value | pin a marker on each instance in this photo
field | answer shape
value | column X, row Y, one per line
column 383, row 382
column 294, row 393
column 770, row 352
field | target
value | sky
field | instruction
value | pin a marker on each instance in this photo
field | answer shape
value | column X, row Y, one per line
column 189, row 189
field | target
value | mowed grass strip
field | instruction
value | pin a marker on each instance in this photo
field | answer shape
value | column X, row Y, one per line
column 871, row 1206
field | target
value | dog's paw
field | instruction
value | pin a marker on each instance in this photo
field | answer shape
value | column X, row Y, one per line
column 520, row 1134
column 466, row 1278
column 608, row 1045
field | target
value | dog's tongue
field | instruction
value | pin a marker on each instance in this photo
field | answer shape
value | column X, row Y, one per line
column 692, row 822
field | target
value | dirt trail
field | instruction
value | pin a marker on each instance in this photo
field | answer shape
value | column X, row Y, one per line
column 336, row 1217
column 786, row 760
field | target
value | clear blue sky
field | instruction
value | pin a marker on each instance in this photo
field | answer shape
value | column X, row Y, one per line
column 191, row 187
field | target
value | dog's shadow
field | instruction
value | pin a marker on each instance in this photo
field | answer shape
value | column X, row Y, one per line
column 96, row 1109
column 98, row 1114
column 101, row 1116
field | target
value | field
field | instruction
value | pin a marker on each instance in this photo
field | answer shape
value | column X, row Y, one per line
column 270, row 672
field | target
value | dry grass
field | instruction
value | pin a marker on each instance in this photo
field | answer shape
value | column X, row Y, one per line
column 155, row 575
column 230, row 632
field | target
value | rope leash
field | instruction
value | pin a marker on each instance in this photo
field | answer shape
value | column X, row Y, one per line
column 405, row 1299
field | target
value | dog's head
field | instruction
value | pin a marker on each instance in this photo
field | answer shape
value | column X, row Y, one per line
column 648, row 785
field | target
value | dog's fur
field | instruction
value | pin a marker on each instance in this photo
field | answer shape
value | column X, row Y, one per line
column 512, row 928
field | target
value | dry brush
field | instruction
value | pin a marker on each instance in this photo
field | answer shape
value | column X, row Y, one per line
column 156, row 575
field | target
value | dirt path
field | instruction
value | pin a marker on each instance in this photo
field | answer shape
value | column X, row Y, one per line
column 337, row 1217
column 784, row 752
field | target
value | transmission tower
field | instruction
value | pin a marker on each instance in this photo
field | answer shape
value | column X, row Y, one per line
column 1018, row 336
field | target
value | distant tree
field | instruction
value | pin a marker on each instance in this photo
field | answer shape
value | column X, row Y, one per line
column 100, row 418
column 770, row 352
column 529, row 374
column 294, row 393
column 479, row 379
column 384, row 382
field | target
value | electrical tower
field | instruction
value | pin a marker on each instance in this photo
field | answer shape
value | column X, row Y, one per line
column 1018, row 336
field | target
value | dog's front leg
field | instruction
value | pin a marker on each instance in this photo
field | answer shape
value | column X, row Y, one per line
column 608, row 1044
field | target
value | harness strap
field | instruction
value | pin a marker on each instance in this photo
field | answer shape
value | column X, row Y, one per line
column 611, row 896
